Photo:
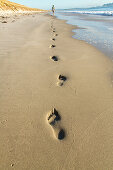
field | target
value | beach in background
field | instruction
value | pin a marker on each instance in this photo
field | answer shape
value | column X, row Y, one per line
column 56, row 95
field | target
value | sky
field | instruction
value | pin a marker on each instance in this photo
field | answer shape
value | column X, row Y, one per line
column 62, row 4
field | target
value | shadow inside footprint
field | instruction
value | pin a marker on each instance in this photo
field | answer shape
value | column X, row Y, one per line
column 52, row 46
column 53, row 39
column 55, row 58
column 61, row 77
column 56, row 114
column 4, row 22
column 61, row 134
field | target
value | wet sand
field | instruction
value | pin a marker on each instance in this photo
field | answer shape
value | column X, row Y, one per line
column 95, row 30
column 56, row 98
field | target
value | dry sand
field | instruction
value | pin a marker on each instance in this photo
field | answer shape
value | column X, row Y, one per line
column 78, row 85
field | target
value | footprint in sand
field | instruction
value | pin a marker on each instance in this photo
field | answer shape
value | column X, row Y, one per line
column 56, row 35
column 61, row 80
column 4, row 22
column 13, row 20
column 53, row 119
column 54, row 58
column 53, row 39
column 54, row 30
column 52, row 27
column 52, row 46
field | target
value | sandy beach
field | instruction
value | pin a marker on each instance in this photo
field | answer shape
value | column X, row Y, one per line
column 56, row 98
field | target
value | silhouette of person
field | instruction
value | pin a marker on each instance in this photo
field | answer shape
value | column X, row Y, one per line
column 53, row 9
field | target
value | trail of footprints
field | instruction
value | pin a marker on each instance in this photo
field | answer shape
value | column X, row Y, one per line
column 53, row 116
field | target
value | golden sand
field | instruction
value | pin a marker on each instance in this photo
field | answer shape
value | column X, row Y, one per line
column 29, row 95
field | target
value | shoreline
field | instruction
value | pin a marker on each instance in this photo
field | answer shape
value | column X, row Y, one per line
column 76, row 88
column 92, row 34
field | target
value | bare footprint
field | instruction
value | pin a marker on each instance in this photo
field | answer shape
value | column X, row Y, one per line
column 13, row 20
column 53, row 117
column 54, row 58
column 4, row 22
column 53, row 39
column 52, row 46
column 51, row 26
column 56, row 35
column 61, row 80
column 54, row 30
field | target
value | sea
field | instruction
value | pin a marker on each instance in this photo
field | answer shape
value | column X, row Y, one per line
column 96, row 26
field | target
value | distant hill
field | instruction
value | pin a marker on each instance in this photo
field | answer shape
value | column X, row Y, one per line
column 108, row 5
column 11, row 6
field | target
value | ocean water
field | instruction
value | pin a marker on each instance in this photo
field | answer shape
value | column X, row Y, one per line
column 105, row 11
column 96, row 26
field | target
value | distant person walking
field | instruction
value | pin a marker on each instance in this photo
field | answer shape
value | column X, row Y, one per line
column 53, row 9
